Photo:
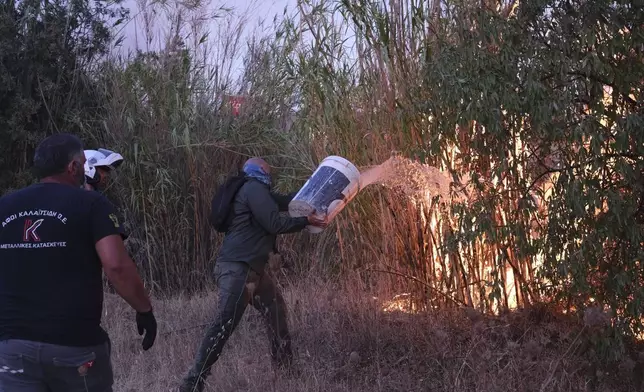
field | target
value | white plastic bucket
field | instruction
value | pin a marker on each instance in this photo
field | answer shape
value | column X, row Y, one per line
column 331, row 186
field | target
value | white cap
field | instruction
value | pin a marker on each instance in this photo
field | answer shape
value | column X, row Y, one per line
column 100, row 158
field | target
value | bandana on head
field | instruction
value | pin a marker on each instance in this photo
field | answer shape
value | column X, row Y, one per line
column 255, row 171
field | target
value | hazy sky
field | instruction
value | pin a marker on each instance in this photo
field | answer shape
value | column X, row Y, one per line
column 216, row 17
column 252, row 10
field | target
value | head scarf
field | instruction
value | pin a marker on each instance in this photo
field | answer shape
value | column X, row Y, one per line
column 255, row 171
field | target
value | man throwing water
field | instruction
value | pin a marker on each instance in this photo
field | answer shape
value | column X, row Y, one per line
column 241, row 273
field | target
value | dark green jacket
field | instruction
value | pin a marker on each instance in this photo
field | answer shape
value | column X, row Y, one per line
column 256, row 224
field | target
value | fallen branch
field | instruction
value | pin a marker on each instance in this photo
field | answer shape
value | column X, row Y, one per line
column 456, row 301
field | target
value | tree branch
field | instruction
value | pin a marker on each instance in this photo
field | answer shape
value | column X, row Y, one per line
column 606, row 83
column 456, row 301
column 634, row 157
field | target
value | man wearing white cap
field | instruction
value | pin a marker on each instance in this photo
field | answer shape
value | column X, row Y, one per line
column 98, row 167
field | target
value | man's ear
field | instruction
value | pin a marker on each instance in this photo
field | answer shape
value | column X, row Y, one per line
column 267, row 169
column 71, row 166
column 75, row 168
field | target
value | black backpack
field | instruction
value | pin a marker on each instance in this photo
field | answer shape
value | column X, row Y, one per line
column 222, row 203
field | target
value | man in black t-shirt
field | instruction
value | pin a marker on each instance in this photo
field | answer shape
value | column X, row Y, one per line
column 55, row 237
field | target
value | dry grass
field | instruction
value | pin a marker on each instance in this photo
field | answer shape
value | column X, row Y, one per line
column 345, row 342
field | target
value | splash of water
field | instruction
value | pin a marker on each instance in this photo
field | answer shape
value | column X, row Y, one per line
column 413, row 178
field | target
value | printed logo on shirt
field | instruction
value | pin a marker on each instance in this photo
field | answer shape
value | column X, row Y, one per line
column 115, row 220
column 30, row 232
column 32, row 229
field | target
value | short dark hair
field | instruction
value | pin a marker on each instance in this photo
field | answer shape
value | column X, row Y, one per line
column 54, row 153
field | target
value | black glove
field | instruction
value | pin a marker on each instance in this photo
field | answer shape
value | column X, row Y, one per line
column 146, row 322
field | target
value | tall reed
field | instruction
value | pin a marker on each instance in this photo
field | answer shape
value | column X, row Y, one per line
column 446, row 84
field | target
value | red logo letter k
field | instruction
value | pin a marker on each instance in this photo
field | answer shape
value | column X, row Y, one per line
column 30, row 230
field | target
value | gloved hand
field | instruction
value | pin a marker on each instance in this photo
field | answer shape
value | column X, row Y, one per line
column 146, row 322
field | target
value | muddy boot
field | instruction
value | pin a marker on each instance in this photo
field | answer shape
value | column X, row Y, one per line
column 192, row 384
column 207, row 355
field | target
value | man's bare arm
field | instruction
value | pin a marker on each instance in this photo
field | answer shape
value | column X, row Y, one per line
column 121, row 272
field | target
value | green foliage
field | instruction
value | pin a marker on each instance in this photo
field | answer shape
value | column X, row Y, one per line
column 551, row 95
column 593, row 246
column 47, row 50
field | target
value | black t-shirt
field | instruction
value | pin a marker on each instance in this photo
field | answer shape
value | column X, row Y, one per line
column 51, row 287
column 122, row 230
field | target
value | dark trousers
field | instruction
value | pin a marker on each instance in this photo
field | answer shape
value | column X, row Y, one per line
column 238, row 286
column 27, row 366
